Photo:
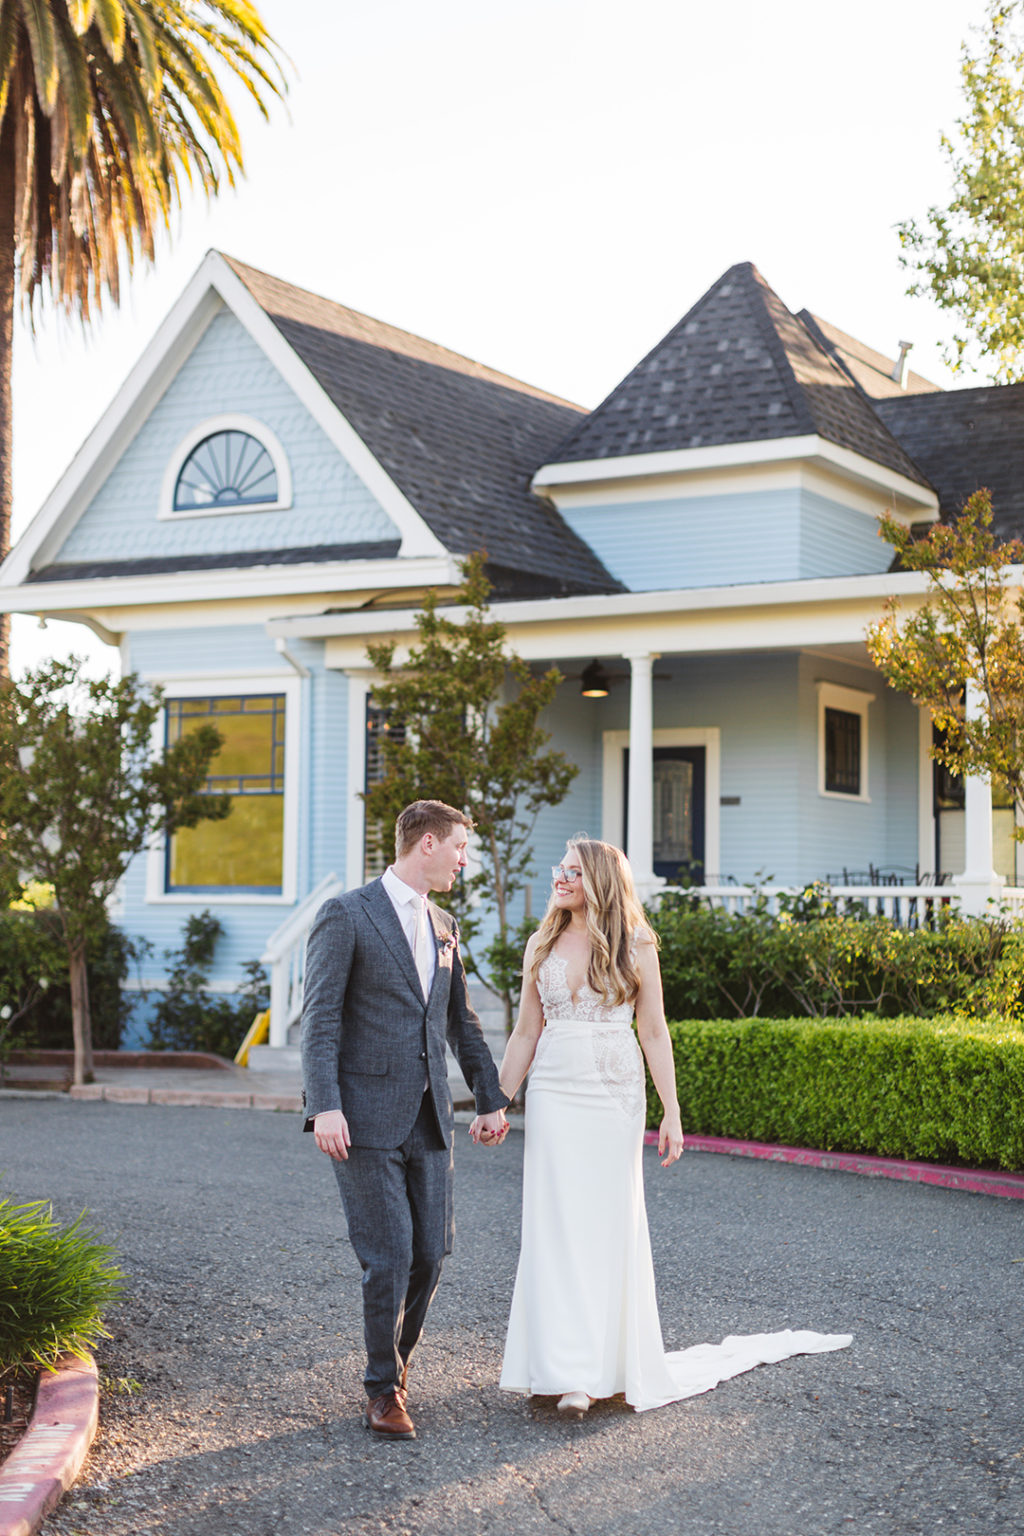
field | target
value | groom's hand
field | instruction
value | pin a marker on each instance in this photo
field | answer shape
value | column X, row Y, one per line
column 490, row 1129
column 330, row 1130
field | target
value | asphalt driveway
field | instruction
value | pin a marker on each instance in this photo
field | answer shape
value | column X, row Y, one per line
column 232, row 1401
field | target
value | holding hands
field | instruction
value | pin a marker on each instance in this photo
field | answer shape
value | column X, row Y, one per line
column 490, row 1130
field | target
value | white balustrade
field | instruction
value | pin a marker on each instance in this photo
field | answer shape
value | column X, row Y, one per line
column 285, row 954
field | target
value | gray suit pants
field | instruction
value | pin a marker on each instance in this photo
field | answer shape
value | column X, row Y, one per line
column 398, row 1205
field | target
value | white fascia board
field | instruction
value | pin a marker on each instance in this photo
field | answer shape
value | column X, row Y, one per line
column 726, row 456
column 163, row 357
column 624, row 605
column 222, row 585
column 213, row 285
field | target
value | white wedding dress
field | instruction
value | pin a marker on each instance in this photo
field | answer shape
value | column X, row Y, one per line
column 584, row 1314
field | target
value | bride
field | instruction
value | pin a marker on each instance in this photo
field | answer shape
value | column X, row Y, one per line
column 584, row 1318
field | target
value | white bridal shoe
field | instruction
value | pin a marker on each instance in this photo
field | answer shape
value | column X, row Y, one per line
column 575, row 1404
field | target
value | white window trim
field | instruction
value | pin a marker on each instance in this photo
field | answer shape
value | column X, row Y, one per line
column 854, row 701
column 228, row 685
column 613, row 786
column 225, row 423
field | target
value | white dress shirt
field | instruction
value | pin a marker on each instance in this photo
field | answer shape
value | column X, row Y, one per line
column 409, row 905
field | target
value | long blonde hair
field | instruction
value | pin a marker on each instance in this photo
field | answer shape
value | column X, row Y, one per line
column 614, row 920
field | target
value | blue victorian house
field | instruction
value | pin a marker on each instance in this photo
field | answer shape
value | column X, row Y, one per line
column 281, row 479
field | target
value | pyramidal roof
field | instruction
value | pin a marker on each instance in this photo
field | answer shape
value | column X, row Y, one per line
column 738, row 368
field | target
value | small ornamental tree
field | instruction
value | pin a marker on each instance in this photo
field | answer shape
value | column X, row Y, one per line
column 82, row 791
column 968, row 631
column 463, row 711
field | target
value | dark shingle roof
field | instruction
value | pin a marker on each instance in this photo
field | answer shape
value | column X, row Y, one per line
column 738, row 368
column 965, row 439
column 869, row 369
column 460, row 440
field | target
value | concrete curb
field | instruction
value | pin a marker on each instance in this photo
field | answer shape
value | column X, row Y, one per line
column 978, row 1181
column 206, row 1098
column 49, row 1455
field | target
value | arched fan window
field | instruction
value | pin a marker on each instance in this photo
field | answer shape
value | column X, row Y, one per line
column 227, row 469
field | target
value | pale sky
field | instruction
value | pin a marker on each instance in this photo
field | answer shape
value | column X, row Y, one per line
column 547, row 186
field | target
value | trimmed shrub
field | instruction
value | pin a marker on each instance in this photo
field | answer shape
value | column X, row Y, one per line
column 808, row 961
column 949, row 1090
column 55, row 1283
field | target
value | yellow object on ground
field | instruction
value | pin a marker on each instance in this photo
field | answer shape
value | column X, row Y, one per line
column 258, row 1031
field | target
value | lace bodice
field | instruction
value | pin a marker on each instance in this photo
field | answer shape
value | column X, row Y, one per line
column 587, row 1007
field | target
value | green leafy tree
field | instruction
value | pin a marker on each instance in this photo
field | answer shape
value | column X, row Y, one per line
column 82, row 793
column 969, row 630
column 464, row 715
column 109, row 111
column 969, row 256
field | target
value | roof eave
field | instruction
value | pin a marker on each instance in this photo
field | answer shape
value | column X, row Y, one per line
column 916, row 501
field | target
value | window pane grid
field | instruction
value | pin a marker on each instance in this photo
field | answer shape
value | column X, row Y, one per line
column 226, row 469
column 245, row 851
column 842, row 752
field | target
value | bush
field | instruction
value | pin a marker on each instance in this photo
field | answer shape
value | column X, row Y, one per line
column 948, row 1090
column 32, row 952
column 189, row 1018
column 54, row 1285
column 810, row 961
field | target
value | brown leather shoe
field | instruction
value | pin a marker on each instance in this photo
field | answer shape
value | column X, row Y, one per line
column 386, row 1416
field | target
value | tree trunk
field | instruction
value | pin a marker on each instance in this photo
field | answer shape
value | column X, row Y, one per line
column 81, row 1019
column 7, row 286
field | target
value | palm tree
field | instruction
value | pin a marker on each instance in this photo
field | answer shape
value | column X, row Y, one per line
column 109, row 111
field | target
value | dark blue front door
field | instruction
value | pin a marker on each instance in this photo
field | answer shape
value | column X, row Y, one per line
column 678, row 812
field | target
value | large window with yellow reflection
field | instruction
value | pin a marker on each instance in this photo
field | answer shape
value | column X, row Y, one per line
column 245, row 852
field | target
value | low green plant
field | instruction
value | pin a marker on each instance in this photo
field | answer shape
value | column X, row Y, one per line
column 946, row 1089
column 808, row 960
column 187, row 1016
column 55, row 1284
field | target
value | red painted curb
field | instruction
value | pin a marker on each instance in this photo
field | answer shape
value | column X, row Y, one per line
column 49, row 1455
column 978, row 1181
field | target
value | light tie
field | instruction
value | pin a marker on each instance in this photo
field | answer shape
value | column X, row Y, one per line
column 422, row 950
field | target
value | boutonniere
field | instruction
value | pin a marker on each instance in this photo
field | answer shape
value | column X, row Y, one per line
column 446, row 944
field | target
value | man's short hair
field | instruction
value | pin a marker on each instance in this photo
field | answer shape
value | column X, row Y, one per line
column 427, row 816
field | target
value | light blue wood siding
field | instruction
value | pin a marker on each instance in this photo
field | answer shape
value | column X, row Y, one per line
column 704, row 541
column 839, row 541
column 226, row 373
column 699, row 541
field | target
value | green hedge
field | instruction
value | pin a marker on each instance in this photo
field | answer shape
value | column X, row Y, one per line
column 947, row 1090
column 807, row 960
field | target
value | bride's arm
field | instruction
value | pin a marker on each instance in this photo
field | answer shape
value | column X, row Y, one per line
column 522, row 1042
column 657, row 1047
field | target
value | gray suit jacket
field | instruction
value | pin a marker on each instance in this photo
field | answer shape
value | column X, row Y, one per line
column 368, row 1038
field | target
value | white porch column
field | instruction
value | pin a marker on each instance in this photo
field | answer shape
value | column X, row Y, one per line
column 360, row 681
column 641, row 775
column 979, row 882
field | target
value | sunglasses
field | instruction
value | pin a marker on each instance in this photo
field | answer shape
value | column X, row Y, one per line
column 568, row 876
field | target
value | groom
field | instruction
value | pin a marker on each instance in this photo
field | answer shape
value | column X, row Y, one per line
column 384, row 988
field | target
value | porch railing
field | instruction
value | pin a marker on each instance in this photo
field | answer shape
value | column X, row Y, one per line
column 909, row 906
column 285, row 954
